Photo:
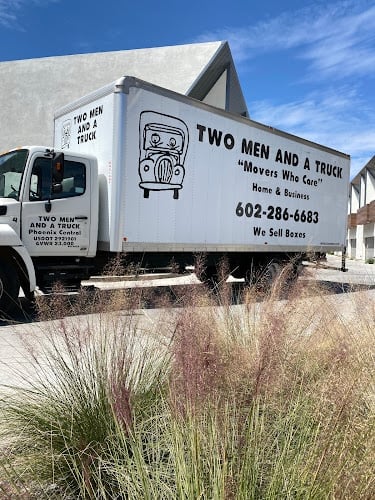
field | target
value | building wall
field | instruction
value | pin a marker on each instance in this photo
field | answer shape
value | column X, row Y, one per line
column 361, row 219
column 32, row 90
column 218, row 93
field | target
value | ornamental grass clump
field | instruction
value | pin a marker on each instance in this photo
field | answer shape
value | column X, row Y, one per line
column 89, row 375
column 268, row 397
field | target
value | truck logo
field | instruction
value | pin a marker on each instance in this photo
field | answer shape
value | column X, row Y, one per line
column 163, row 143
column 66, row 132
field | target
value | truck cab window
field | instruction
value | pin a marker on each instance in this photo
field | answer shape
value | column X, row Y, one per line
column 12, row 166
column 73, row 183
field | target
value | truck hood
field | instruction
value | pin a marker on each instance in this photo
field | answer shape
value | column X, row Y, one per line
column 8, row 207
column 9, row 217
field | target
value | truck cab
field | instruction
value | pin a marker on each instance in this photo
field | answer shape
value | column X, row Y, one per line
column 48, row 219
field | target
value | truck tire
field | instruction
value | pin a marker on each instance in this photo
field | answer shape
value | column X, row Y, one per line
column 9, row 287
column 245, row 272
column 207, row 275
column 271, row 273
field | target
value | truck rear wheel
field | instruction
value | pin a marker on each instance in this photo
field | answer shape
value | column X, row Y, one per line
column 286, row 272
column 271, row 273
column 207, row 275
column 9, row 287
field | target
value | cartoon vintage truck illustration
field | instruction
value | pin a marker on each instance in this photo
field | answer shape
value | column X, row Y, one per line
column 163, row 143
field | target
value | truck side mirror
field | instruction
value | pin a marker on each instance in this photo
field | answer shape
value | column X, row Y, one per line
column 57, row 168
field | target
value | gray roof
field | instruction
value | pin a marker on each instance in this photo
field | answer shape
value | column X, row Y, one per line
column 32, row 90
column 369, row 167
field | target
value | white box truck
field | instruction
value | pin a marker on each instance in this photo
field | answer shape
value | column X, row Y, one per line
column 156, row 176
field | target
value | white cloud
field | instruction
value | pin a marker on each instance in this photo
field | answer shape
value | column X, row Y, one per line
column 335, row 38
column 316, row 108
column 335, row 42
column 347, row 47
column 9, row 10
column 326, row 118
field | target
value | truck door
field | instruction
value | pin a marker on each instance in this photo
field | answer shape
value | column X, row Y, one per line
column 57, row 223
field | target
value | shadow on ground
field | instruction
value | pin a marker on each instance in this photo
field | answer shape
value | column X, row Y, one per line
column 161, row 297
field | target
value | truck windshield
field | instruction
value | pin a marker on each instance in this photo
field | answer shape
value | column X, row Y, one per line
column 12, row 165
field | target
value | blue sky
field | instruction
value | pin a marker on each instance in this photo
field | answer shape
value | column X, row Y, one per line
column 305, row 67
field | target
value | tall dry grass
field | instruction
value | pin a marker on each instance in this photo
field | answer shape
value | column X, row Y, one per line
column 271, row 397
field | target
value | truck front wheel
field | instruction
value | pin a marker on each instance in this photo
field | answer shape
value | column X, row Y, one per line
column 9, row 287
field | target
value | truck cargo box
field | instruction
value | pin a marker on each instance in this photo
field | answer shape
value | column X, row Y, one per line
column 179, row 175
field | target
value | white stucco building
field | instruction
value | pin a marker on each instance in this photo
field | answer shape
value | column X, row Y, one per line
column 361, row 219
column 32, row 90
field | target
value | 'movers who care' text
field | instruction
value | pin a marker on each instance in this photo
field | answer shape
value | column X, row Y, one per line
column 263, row 151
